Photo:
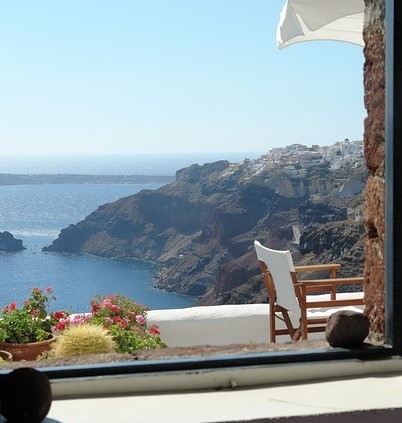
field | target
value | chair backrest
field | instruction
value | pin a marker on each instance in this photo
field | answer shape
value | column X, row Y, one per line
column 280, row 266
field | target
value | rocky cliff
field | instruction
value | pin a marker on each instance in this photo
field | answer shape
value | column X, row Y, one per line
column 9, row 243
column 201, row 227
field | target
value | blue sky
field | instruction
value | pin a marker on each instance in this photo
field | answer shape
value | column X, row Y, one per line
column 135, row 76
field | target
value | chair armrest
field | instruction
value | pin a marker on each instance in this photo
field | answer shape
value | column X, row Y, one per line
column 318, row 267
column 320, row 289
column 330, row 282
column 322, row 286
column 335, row 303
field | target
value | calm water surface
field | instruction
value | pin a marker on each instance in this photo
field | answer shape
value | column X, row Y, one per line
column 36, row 214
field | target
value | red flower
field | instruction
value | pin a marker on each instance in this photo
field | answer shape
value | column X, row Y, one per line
column 59, row 315
column 118, row 320
column 13, row 305
column 114, row 308
column 154, row 330
column 59, row 326
column 49, row 290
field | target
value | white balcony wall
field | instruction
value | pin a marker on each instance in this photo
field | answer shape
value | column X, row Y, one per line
column 222, row 325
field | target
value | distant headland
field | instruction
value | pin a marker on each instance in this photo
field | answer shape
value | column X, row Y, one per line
column 200, row 228
column 11, row 179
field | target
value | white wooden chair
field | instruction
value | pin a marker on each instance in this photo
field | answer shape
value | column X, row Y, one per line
column 287, row 293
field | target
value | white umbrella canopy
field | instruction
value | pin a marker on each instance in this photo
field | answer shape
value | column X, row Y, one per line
column 309, row 20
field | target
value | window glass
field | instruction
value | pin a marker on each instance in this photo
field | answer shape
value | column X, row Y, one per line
column 104, row 101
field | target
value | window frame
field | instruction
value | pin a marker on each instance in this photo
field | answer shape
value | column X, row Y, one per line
column 393, row 132
column 393, row 266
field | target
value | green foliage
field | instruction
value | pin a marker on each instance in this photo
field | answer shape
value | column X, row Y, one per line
column 116, row 323
column 126, row 321
column 29, row 323
column 117, row 308
column 129, row 340
column 18, row 326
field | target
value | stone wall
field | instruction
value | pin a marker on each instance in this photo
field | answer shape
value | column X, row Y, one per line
column 374, row 144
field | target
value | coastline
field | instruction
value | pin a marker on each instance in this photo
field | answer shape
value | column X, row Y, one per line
column 22, row 179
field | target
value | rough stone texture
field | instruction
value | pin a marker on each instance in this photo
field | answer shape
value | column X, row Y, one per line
column 374, row 142
column 9, row 243
column 346, row 329
column 168, row 353
column 200, row 228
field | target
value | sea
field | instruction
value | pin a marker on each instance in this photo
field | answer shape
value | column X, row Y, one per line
column 37, row 213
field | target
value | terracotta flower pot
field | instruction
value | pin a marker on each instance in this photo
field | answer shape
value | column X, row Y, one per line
column 6, row 356
column 27, row 351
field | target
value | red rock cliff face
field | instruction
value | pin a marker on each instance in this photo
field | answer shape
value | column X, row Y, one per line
column 374, row 141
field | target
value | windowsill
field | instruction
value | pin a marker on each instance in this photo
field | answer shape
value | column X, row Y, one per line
column 200, row 351
column 214, row 375
column 228, row 387
column 231, row 394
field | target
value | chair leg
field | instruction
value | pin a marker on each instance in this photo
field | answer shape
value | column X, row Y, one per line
column 278, row 312
column 303, row 324
column 288, row 323
column 297, row 335
column 272, row 326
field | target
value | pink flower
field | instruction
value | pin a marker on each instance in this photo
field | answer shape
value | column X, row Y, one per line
column 109, row 320
column 140, row 319
column 78, row 319
column 107, row 302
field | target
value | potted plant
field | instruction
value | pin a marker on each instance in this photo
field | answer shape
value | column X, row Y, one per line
column 5, row 356
column 27, row 331
column 124, row 319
